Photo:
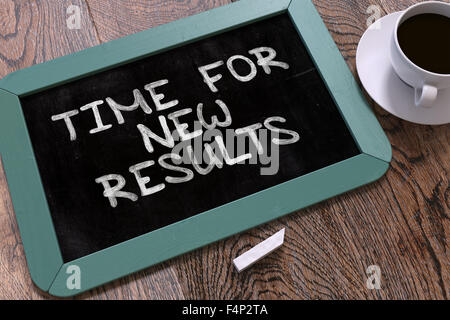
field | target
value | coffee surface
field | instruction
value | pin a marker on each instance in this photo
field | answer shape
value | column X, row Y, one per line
column 425, row 40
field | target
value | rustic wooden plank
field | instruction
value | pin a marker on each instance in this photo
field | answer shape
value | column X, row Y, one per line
column 158, row 282
column 400, row 223
column 31, row 32
column 118, row 18
column 416, row 187
column 36, row 31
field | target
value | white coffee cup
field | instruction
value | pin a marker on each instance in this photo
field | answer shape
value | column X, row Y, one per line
column 426, row 84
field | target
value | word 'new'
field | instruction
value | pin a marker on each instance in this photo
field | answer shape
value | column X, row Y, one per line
column 265, row 59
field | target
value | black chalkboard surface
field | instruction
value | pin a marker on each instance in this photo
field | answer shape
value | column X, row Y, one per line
column 86, row 222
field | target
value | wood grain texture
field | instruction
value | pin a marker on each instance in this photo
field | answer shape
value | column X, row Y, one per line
column 399, row 223
column 32, row 32
column 118, row 18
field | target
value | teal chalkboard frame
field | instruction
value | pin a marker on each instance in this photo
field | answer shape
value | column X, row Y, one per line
column 38, row 235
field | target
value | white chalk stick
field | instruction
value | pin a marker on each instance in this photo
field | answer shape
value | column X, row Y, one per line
column 259, row 251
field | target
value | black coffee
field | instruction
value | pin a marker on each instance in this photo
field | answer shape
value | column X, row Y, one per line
column 425, row 40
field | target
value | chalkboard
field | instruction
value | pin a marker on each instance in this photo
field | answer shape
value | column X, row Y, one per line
column 84, row 220
column 100, row 148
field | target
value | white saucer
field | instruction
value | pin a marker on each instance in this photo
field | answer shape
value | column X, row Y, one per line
column 384, row 86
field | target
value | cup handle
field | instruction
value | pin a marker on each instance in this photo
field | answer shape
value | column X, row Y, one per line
column 426, row 96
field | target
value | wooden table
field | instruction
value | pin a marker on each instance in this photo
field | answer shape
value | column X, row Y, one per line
column 399, row 223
